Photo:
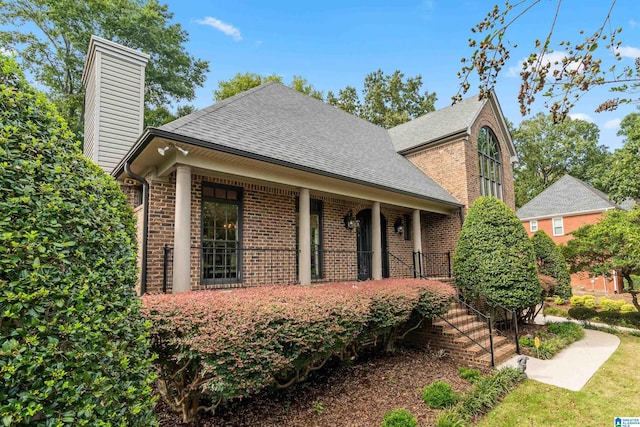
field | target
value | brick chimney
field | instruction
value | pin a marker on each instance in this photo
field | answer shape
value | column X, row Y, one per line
column 113, row 78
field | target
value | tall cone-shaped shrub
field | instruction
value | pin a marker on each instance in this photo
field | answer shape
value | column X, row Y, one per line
column 551, row 262
column 74, row 348
column 495, row 258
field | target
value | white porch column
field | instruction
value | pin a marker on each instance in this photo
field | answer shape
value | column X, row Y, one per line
column 182, row 232
column 376, row 242
column 304, row 238
column 417, row 240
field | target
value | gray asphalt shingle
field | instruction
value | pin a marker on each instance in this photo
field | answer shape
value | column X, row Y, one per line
column 565, row 196
column 437, row 124
column 276, row 122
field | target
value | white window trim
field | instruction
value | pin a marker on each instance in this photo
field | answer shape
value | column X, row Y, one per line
column 533, row 225
column 553, row 226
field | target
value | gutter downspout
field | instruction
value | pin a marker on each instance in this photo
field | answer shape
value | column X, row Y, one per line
column 145, row 225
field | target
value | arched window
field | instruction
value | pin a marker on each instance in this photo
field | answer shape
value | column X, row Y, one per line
column 489, row 164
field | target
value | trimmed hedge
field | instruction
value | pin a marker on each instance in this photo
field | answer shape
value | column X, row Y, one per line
column 551, row 262
column 226, row 345
column 75, row 350
column 494, row 257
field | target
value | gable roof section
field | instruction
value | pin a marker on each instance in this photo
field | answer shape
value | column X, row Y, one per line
column 277, row 124
column 447, row 122
column 566, row 196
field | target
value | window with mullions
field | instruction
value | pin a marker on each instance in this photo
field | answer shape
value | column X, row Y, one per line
column 221, row 256
column 315, row 208
column 489, row 164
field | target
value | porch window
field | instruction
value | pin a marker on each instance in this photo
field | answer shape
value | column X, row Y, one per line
column 315, row 210
column 221, row 225
column 489, row 164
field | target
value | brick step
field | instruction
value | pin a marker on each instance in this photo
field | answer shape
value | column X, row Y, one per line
column 501, row 354
column 469, row 328
column 456, row 321
column 474, row 348
column 478, row 334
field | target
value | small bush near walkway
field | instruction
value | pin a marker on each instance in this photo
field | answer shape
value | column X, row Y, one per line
column 226, row 345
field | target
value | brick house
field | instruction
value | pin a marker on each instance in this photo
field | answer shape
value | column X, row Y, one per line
column 273, row 186
column 563, row 207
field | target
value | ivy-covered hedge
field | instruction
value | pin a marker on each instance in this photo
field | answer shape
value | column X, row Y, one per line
column 74, row 349
column 226, row 345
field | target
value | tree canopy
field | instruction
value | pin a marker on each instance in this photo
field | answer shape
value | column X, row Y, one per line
column 623, row 180
column 388, row 99
column 547, row 151
column 611, row 244
column 560, row 70
column 245, row 81
column 51, row 38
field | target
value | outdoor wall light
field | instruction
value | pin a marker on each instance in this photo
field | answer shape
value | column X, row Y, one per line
column 398, row 226
column 350, row 222
column 163, row 151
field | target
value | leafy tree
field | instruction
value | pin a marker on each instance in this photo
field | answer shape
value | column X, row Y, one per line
column 75, row 350
column 241, row 82
column 495, row 258
column 611, row 244
column 51, row 38
column 551, row 262
column 548, row 150
column 388, row 100
column 578, row 68
column 623, row 180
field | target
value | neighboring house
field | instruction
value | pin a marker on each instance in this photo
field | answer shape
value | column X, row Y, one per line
column 273, row 186
column 563, row 207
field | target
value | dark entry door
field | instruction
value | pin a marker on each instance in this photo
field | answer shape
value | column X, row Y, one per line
column 365, row 253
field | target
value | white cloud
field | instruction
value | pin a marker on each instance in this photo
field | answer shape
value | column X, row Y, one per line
column 581, row 116
column 554, row 58
column 612, row 124
column 227, row 29
column 633, row 23
column 628, row 52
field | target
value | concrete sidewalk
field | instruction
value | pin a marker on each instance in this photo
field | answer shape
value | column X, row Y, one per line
column 575, row 365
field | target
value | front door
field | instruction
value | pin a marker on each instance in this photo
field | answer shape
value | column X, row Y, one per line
column 365, row 253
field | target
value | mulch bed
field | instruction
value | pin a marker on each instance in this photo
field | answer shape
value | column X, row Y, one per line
column 356, row 395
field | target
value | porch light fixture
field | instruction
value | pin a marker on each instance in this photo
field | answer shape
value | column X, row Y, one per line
column 350, row 222
column 398, row 226
column 163, row 151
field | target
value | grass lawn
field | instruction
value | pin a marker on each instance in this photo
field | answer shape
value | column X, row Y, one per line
column 614, row 391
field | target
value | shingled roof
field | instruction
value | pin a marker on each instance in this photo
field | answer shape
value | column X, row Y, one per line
column 279, row 124
column 566, row 196
column 436, row 125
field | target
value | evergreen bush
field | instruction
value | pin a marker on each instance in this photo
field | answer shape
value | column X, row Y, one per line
column 439, row 395
column 494, row 257
column 551, row 262
column 399, row 418
column 75, row 350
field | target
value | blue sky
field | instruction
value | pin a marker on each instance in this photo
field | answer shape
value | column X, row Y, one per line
column 337, row 43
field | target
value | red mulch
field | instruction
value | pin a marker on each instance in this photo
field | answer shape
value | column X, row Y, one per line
column 356, row 395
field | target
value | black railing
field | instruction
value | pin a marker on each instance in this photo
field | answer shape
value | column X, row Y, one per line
column 434, row 265
column 227, row 265
column 504, row 320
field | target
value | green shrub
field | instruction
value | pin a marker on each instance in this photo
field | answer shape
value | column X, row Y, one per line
column 75, row 350
column 227, row 345
column 469, row 374
column 588, row 301
column 451, row 418
column 551, row 262
column 526, row 342
column 494, row 257
column 554, row 311
column 439, row 395
column 399, row 418
column 560, row 301
column 607, row 304
column 488, row 391
column 566, row 334
column 627, row 308
column 582, row 313
column 610, row 317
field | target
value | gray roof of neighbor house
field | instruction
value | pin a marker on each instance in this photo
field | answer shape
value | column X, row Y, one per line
column 437, row 124
column 566, row 196
column 273, row 122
